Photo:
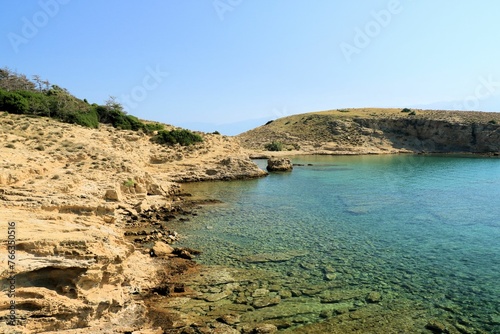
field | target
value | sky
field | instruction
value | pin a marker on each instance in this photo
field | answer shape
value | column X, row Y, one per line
column 231, row 65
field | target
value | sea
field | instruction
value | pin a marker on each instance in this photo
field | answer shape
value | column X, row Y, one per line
column 409, row 243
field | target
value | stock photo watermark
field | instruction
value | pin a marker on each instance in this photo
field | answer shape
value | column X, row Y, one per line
column 372, row 29
column 11, row 269
column 280, row 113
column 486, row 88
column 152, row 80
column 31, row 26
column 222, row 7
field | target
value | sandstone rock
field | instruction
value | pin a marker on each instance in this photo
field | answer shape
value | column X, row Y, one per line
column 260, row 293
column 162, row 249
column 113, row 195
column 266, row 329
column 266, row 301
column 279, row 165
column 230, row 319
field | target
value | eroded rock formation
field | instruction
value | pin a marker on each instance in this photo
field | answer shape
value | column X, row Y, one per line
column 279, row 165
column 71, row 192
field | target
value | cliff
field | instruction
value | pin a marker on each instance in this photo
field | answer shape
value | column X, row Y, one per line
column 375, row 131
column 69, row 193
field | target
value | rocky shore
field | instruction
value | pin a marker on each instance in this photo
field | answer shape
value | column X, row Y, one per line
column 95, row 251
column 89, row 211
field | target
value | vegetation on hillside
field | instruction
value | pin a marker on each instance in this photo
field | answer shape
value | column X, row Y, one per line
column 275, row 146
column 182, row 137
column 20, row 95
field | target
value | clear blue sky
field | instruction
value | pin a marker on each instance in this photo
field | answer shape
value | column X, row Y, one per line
column 247, row 61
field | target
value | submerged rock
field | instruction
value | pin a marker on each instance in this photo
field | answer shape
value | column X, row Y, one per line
column 279, row 165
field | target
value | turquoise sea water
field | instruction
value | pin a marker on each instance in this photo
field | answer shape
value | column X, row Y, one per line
column 424, row 229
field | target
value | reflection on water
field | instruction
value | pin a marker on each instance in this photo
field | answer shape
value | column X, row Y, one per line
column 414, row 240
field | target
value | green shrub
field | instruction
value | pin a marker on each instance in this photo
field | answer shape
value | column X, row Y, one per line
column 87, row 119
column 274, row 146
column 406, row 110
column 342, row 110
column 492, row 122
column 216, row 133
column 19, row 95
column 412, row 113
column 129, row 183
column 13, row 102
column 150, row 127
column 182, row 137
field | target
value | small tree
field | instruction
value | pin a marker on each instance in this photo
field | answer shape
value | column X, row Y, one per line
column 274, row 146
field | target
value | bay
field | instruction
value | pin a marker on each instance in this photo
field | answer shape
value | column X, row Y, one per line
column 420, row 233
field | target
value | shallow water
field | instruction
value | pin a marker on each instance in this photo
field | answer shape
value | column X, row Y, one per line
column 419, row 230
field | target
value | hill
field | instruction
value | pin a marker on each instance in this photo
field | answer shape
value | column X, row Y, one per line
column 378, row 131
column 71, row 192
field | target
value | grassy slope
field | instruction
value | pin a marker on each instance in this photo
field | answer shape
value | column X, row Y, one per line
column 312, row 131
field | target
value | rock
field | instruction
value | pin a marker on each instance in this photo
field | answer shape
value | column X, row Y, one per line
column 266, row 301
column 273, row 257
column 330, row 276
column 436, row 327
column 285, row 294
column 162, row 249
column 213, row 297
column 279, row 165
column 374, row 297
column 260, row 293
column 109, row 219
column 229, row 319
column 265, row 329
column 113, row 195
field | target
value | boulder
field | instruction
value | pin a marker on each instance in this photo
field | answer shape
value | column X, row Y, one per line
column 162, row 249
column 113, row 195
column 279, row 165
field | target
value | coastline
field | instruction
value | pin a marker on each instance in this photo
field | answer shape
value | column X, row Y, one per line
column 73, row 194
column 363, row 305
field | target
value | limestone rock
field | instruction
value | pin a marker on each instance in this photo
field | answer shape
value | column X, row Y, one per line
column 113, row 195
column 279, row 165
column 162, row 249
column 266, row 329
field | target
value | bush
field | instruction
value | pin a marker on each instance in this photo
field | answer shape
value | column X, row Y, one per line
column 492, row 122
column 274, row 146
column 182, row 137
column 19, row 95
column 13, row 102
column 406, row 110
column 129, row 183
column 150, row 127
column 87, row 119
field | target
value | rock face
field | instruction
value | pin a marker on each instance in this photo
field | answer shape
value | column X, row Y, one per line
column 366, row 131
column 279, row 165
column 69, row 191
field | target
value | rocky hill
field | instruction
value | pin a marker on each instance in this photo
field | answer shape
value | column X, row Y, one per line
column 70, row 192
column 375, row 131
